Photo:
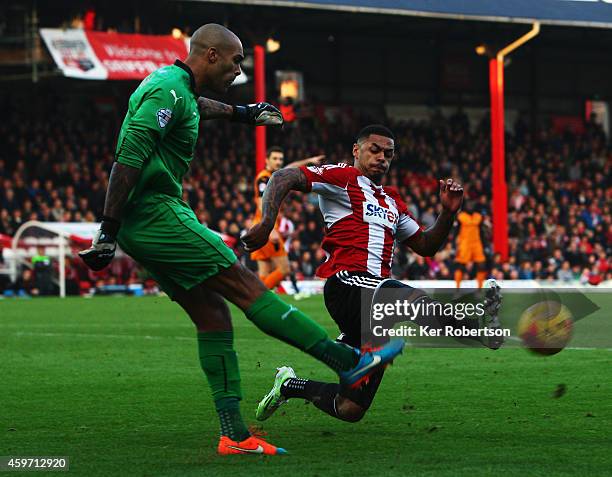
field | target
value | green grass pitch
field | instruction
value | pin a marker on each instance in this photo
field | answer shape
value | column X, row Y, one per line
column 115, row 384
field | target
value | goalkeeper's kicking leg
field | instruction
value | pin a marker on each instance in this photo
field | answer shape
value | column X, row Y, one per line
column 286, row 323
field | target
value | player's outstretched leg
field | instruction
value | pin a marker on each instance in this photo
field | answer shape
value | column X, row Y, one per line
column 392, row 290
column 338, row 401
column 285, row 322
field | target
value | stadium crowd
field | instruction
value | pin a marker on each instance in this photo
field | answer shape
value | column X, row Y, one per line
column 560, row 225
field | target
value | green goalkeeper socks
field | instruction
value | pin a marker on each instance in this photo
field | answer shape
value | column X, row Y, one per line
column 230, row 419
column 285, row 322
column 220, row 364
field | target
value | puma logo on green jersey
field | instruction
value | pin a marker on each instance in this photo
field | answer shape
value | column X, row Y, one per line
column 173, row 93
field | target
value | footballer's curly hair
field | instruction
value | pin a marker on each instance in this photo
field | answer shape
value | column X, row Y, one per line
column 378, row 129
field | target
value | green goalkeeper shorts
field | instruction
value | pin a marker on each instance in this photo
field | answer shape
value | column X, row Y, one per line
column 164, row 235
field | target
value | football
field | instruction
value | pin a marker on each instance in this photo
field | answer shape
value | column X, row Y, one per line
column 546, row 327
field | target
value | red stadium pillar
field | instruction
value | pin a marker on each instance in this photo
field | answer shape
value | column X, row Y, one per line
column 498, row 159
column 500, row 189
column 260, row 95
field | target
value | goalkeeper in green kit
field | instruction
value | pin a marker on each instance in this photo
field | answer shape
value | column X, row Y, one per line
column 145, row 215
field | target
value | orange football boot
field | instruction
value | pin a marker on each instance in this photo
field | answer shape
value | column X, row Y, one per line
column 251, row 445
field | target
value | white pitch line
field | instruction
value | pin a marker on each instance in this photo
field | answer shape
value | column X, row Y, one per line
column 80, row 325
column 95, row 335
column 574, row 348
column 185, row 338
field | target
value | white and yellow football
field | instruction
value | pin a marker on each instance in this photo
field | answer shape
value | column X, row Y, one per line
column 546, row 327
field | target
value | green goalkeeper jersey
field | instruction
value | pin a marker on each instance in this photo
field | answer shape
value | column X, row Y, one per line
column 158, row 229
column 160, row 131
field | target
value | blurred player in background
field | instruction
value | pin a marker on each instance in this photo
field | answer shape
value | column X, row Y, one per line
column 469, row 245
column 144, row 213
column 272, row 262
column 286, row 228
column 363, row 219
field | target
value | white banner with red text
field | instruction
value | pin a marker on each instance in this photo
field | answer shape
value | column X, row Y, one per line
column 98, row 55
column 115, row 56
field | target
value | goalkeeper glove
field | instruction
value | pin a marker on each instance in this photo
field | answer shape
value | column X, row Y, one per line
column 103, row 246
column 259, row 114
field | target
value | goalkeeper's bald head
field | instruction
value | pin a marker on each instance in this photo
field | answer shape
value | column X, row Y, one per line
column 215, row 55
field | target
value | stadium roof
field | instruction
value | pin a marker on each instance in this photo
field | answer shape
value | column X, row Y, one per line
column 586, row 13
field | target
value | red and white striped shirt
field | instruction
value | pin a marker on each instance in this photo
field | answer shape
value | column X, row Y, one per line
column 362, row 220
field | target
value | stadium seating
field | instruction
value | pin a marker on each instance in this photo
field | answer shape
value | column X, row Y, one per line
column 559, row 187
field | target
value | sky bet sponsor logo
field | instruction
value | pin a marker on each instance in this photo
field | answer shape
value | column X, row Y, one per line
column 374, row 213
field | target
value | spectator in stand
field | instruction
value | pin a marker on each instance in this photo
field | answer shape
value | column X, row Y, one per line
column 564, row 274
column 6, row 223
column 418, row 269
